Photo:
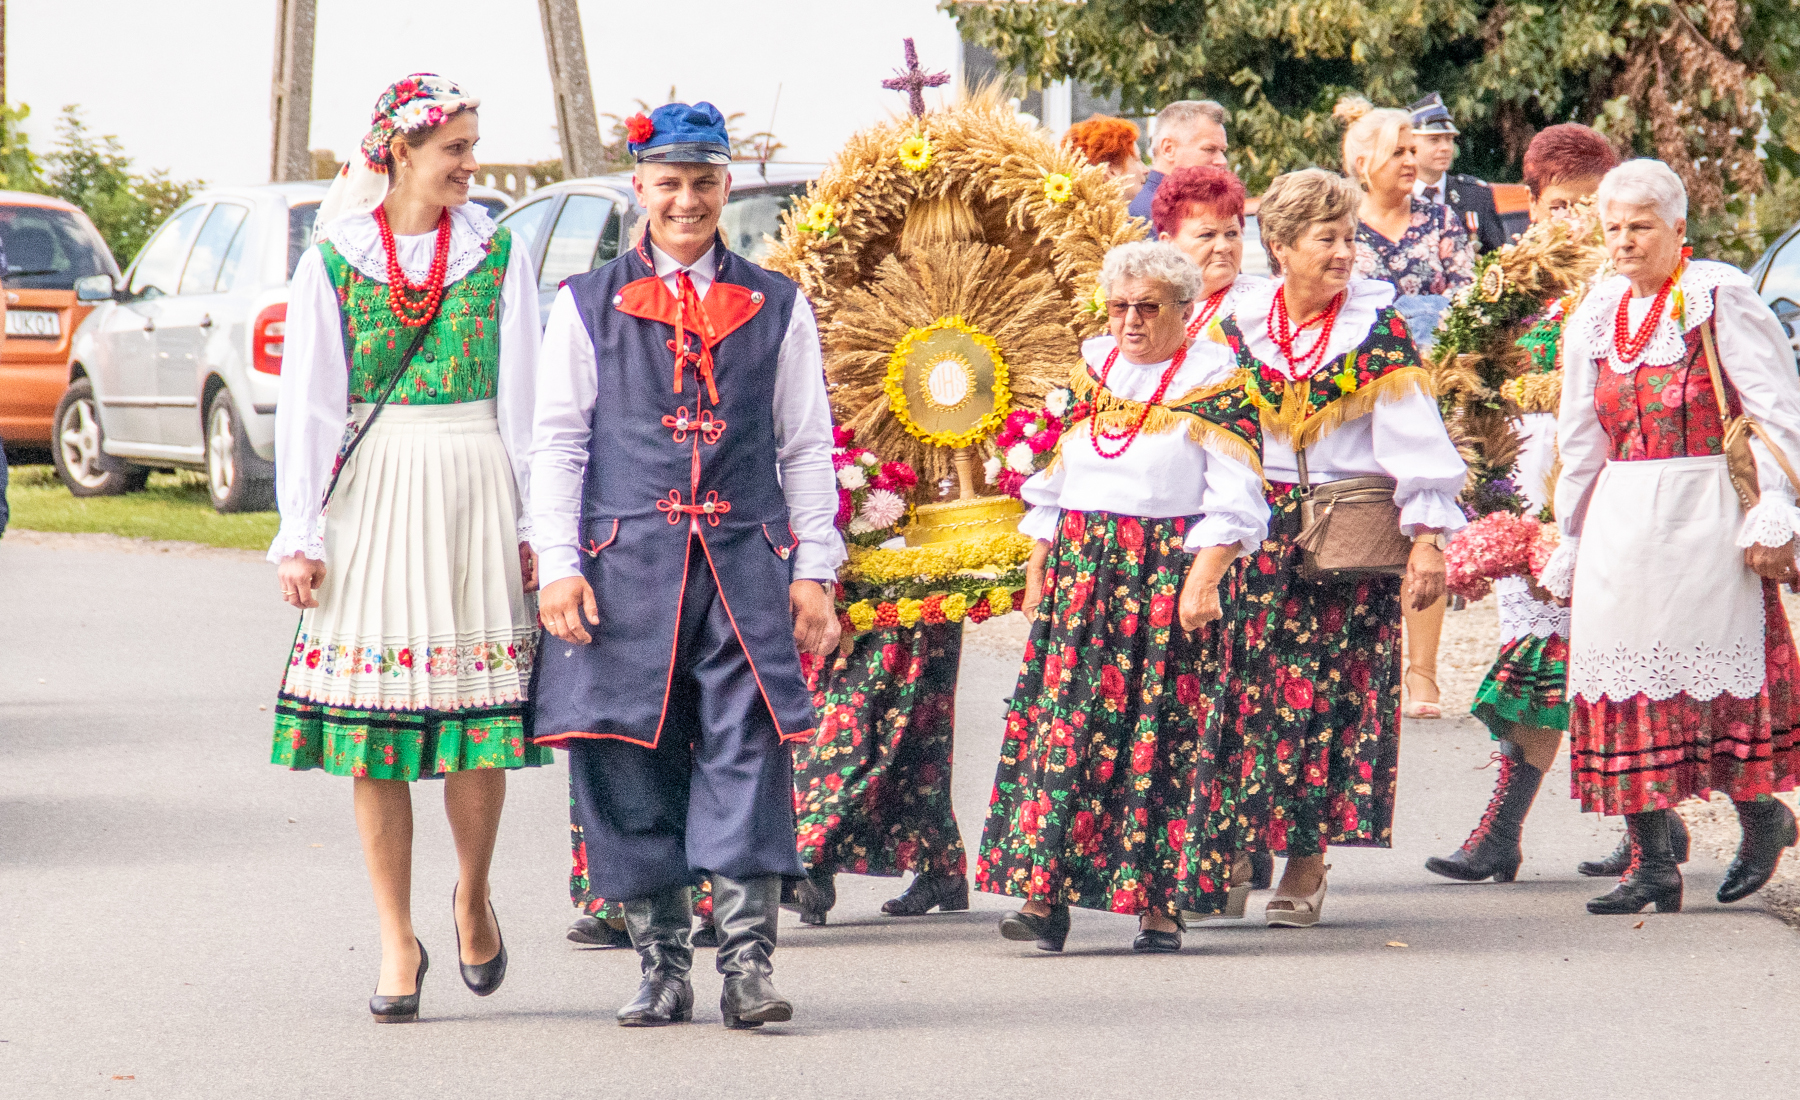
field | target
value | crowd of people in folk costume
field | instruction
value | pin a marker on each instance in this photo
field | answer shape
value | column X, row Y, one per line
column 1210, row 679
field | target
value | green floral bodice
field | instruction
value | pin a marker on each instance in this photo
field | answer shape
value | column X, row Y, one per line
column 460, row 358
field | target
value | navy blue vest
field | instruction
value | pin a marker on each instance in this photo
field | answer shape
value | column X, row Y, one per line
column 672, row 473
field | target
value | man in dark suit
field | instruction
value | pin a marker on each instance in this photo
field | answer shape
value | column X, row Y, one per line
column 1468, row 196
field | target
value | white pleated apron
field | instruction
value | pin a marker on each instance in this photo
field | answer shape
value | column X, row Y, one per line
column 1663, row 602
column 423, row 606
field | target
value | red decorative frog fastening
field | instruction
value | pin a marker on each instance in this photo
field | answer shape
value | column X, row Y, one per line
column 681, row 424
column 712, row 507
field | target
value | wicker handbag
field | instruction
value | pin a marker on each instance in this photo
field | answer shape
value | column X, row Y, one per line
column 1740, row 460
column 1350, row 528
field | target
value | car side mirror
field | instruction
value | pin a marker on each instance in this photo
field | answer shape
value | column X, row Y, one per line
column 95, row 288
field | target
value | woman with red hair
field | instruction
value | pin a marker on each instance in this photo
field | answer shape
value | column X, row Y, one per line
column 1201, row 212
column 1112, row 144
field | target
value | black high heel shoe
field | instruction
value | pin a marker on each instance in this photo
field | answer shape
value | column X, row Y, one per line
column 481, row 978
column 403, row 1009
column 1050, row 932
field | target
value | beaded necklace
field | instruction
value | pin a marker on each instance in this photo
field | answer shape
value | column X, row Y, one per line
column 1207, row 311
column 1629, row 345
column 1130, row 435
column 1283, row 333
column 415, row 304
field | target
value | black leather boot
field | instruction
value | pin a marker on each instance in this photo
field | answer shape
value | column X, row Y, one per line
column 659, row 927
column 945, row 893
column 1769, row 830
column 813, row 896
column 1493, row 850
column 746, row 912
column 1620, row 858
column 1653, row 876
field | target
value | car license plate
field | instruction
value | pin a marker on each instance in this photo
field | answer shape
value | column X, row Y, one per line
column 45, row 323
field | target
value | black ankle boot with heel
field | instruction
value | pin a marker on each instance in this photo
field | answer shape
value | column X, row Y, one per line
column 1653, row 878
column 1493, row 850
column 1614, row 865
column 1769, row 830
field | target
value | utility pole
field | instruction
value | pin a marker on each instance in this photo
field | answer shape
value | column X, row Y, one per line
column 576, row 124
column 290, row 98
column 2, row 53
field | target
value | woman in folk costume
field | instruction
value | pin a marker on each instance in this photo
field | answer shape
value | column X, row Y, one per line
column 415, row 319
column 1681, row 663
column 1523, row 700
column 1316, row 690
column 1154, row 494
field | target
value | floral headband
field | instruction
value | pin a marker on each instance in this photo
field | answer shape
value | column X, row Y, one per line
column 420, row 101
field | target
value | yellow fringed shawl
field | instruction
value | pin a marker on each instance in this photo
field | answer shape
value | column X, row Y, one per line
column 1112, row 411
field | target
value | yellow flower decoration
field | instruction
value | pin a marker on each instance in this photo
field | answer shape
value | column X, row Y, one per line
column 1058, row 187
column 821, row 218
column 909, row 611
column 915, row 152
column 1095, row 303
column 862, row 615
column 985, row 554
column 999, row 600
column 895, row 385
column 955, row 607
column 1346, row 378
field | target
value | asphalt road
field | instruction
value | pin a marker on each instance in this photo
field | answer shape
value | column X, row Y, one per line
column 183, row 920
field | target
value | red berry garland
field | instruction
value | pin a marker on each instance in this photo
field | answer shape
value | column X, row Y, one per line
column 1207, row 311
column 1131, row 434
column 413, row 305
column 1283, row 333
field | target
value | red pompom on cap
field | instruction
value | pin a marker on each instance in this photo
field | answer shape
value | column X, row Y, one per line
column 639, row 128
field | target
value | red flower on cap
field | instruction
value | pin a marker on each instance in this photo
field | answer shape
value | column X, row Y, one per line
column 639, row 128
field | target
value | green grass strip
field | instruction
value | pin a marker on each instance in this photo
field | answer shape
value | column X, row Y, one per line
column 174, row 506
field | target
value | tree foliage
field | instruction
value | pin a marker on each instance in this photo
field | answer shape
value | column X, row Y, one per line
column 1695, row 84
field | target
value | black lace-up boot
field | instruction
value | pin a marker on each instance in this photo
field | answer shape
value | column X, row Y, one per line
column 1769, row 830
column 1493, row 849
column 1652, row 876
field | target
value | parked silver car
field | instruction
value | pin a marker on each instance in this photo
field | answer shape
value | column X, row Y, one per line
column 179, row 365
column 576, row 225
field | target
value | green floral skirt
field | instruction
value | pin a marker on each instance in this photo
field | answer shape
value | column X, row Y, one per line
column 1109, row 732
column 380, row 744
column 1527, row 686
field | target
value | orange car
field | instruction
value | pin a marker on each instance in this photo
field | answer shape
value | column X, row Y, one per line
column 49, row 244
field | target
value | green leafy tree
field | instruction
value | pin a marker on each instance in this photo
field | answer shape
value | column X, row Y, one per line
column 19, row 169
column 94, row 173
column 1697, row 84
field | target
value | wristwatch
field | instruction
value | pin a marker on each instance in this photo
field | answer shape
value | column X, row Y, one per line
column 1432, row 538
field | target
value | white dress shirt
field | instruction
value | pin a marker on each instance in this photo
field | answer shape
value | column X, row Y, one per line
column 313, row 397
column 1403, row 436
column 1161, row 476
column 1439, row 197
column 566, row 391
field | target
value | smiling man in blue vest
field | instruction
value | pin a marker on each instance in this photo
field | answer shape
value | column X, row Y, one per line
column 683, row 504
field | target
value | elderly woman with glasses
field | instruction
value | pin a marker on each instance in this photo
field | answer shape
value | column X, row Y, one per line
column 1154, row 493
column 1315, row 686
column 1682, row 669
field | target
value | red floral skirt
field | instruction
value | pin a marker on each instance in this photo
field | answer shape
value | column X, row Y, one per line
column 872, row 789
column 1643, row 754
column 1311, row 741
column 1108, row 732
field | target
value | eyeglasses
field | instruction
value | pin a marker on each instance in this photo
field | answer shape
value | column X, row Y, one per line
column 1146, row 310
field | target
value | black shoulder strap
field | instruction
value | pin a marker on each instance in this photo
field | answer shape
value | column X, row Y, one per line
column 343, row 457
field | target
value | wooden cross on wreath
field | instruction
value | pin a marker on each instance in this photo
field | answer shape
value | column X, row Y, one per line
column 913, row 81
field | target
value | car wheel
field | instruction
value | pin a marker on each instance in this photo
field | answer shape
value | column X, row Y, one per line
column 231, row 466
column 79, row 452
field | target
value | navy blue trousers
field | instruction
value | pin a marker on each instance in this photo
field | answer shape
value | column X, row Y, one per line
column 717, row 791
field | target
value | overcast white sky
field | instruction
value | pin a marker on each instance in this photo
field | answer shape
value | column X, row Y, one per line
column 185, row 83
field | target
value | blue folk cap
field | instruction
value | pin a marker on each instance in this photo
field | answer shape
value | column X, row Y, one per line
column 1430, row 116
column 682, row 134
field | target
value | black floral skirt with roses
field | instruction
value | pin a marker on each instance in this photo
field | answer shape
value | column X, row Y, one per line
column 1110, row 731
column 872, row 789
column 1311, row 738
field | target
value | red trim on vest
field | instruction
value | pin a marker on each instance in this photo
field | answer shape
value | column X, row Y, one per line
column 719, row 584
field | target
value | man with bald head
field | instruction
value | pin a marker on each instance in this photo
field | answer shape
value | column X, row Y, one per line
column 1189, row 133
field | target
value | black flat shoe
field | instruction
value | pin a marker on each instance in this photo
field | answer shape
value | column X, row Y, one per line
column 481, row 978
column 945, row 893
column 1050, row 932
column 594, row 932
column 812, row 897
column 1769, row 830
column 1150, row 941
column 403, row 1009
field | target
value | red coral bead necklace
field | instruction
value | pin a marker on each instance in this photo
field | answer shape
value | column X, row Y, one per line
column 1284, row 333
column 1629, row 345
column 414, row 304
column 1207, row 311
column 1129, row 436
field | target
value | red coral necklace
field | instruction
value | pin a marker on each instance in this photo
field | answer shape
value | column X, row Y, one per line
column 1629, row 345
column 1284, row 333
column 414, row 304
column 1207, row 311
column 1130, row 435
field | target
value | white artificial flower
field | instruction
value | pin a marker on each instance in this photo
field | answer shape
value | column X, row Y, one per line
column 868, row 459
column 860, row 526
column 1056, row 402
column 1019, row 458
column 882, row 509
column 991, row 469
column 1029, row 430
column 412, row 116
column 851, row 478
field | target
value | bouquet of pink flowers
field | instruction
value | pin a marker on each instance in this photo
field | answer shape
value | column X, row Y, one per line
column 1499, row 544
column 871, row 493
column 1026, row 441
